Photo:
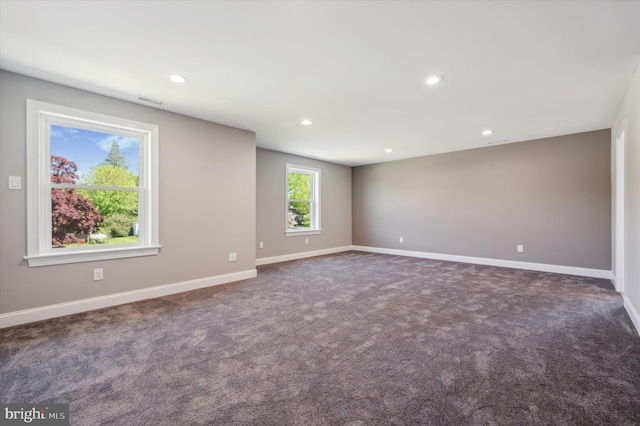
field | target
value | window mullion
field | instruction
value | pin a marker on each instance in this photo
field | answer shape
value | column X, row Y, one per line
column 93, row 187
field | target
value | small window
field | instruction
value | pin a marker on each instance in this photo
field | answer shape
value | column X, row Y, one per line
column 92, row 186
column 303, row 200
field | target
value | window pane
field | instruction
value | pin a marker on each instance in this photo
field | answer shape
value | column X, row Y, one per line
column 299, row 186
column 93, row 217
column 299, row 214
column 94, row 158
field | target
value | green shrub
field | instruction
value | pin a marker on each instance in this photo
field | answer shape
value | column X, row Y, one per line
column 118, row 225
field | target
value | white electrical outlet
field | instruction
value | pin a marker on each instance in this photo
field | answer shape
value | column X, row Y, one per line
column 233, row 257
column 261, row 244
column 401, row 239
column 98, row 275
column 520, row 248
column 306, row 241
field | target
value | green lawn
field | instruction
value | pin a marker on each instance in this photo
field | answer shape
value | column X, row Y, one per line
column 123, row 240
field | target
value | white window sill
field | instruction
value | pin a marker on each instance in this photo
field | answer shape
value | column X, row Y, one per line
column 90, row 255
column 300, row 233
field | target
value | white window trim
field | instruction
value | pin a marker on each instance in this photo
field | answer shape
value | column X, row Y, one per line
column 301, row 232
column 39, row 251
column 315, row 228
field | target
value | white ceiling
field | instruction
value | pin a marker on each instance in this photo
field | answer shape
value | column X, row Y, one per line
column 526, row 69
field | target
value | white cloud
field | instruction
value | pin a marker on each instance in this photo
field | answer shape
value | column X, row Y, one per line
column 123, row 142
column 62, row 131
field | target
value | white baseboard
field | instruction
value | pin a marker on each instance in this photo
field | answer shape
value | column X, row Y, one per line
column 61, row 309
column 542, row 267
column 301, row 255
column 52, row 311
column 633, row 313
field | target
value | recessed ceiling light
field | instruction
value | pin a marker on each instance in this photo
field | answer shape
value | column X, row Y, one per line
column 434, row 79
column 388, row 150
column 306, row 122
column 487, row 132
column 177, row 78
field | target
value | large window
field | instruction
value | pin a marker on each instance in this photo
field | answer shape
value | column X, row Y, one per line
column 92, row 186
column 303, row 200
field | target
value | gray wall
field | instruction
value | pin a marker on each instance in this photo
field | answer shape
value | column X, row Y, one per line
column 217, row 194
column 629, row 119
column 207, row 202
column 551, row 195
column 335, row 214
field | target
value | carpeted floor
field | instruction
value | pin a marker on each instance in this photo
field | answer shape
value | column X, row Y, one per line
column 347, row 339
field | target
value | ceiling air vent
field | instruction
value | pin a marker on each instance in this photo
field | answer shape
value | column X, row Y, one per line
column 153, row 101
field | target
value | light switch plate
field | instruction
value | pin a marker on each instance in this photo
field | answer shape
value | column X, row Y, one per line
column 15, row 182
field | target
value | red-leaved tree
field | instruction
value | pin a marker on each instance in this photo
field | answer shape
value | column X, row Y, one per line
column 71, row 213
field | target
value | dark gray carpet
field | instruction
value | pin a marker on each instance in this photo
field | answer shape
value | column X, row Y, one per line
column 348, row 339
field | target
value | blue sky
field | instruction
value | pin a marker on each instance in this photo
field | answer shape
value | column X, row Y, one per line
column 88, row 148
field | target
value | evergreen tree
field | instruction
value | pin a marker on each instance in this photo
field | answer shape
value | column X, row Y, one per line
column 115, row 157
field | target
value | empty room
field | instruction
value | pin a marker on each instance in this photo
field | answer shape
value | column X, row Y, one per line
column 319, row 212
